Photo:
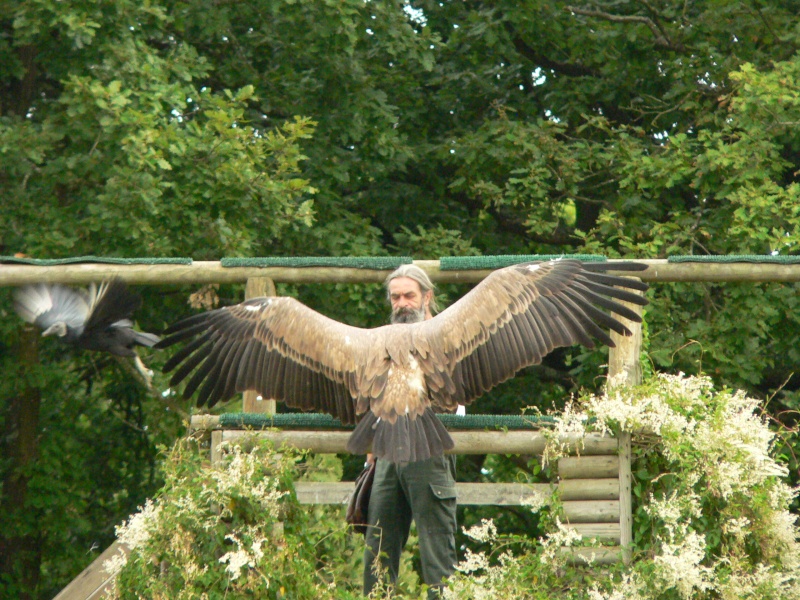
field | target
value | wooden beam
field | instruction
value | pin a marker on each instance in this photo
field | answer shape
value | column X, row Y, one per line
column 582, row 556
column 625, row 497
column 466, row 442
column 589, row 489
column 216, row 453
column 624, row 357
column 659, row 270
column 501, row 494
column 600, row 531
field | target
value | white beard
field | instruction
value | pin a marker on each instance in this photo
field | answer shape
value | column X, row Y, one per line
column 408, row 315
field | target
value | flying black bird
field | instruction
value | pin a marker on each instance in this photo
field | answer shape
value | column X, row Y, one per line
column 392, row 379
column 95, row 319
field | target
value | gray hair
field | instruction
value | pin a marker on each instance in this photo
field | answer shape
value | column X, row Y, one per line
column 418, row 275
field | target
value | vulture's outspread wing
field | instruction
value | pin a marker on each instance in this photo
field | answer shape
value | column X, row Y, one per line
column 515, row 317
column 397, row 377
column 278, row 347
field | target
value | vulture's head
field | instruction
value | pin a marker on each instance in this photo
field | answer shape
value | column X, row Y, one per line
column 58, row 329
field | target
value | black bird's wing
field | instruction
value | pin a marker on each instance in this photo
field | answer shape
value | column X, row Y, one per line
column 110, row 303
column 45, row 305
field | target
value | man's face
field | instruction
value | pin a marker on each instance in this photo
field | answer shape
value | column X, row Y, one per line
column 409, row 304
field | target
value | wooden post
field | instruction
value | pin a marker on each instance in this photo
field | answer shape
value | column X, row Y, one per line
column 257, row 287
column 216, row 440
column 625, row 359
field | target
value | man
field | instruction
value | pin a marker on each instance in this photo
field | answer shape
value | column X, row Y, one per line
column 424, row 490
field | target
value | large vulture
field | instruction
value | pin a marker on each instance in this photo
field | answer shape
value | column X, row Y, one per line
column 95, row 319
column 392, row 379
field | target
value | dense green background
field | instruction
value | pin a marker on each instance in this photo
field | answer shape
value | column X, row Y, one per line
column 345, row 127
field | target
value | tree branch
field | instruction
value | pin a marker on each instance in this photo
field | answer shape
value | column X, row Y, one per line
column 563, row 68
column 613, row 113
column 661, row 39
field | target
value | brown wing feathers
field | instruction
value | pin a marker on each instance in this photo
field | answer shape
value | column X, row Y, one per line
column 512, row 319
column 526, row 313
column 242, row 347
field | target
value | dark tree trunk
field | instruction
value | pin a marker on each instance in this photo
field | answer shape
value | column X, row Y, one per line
column 20, row 553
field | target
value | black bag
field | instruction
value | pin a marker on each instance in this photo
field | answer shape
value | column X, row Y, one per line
column 358, row 507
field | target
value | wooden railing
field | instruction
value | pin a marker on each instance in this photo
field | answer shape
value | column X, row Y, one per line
column 594, row 484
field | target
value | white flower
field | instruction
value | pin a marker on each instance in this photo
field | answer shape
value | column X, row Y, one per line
column 473, row 562
column 553, row 542
column 736, row 527
column 136, row 531
column 237, row 560
column 241, row 557
column 679, row 566
column 243, row 474
column 763, row 582
column 114, row 565
column 627, row 589
column 534, row 500
column 485, row 532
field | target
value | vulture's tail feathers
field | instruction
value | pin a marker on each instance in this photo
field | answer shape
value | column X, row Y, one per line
column 360, row 440
column 406, row 440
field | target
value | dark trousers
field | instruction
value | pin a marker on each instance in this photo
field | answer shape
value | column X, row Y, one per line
column 425, row 492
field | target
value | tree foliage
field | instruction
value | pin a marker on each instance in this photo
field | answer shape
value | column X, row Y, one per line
column 164, row 128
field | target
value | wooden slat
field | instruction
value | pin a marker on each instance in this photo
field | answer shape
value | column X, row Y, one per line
column 589, row 489
column 625, row 497
column 601, row 531
column 604, row 555
column 588, row 467
column 466, row 442
column 591, row 511
column 500, row 494
column 93, row 581
column 216, row 440
column 323, row 492
column 580, row 508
